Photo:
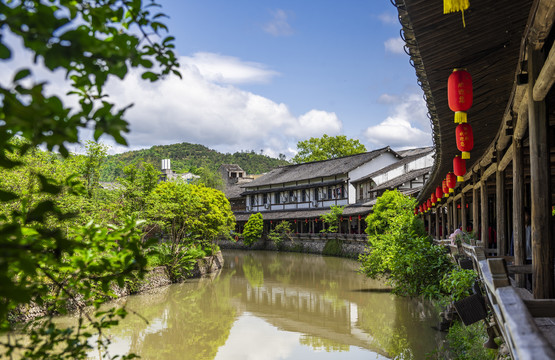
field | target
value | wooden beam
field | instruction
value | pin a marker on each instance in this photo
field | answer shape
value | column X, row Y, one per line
column 541, row 308
column 489, row 171
column 475, row 208
column 519, row 245
column 546, row 78
column 543, row 21
column 542, row 247
column 463, row 212
column 507, row 158
column 522, row 118
column 484, row 223
column 500, row 209
column 467, row 188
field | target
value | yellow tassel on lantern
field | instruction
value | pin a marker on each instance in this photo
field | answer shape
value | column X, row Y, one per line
column 465, row 155
column 460, row 117
column 460, row 179
column 450, row 6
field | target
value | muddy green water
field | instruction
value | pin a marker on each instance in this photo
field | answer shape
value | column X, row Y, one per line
column 268, row 305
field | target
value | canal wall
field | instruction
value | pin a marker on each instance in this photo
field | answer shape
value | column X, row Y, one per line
column 322, row 244
column 154, row 278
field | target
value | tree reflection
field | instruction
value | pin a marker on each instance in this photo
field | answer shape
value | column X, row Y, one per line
column 319, row 344
column 253, row 271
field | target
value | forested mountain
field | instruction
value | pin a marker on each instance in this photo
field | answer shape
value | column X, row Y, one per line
column 188, row 157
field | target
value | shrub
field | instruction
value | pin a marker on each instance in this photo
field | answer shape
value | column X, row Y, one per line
column 400, row 251
column 458, row 283
column 331, row 219
column 281, row 232
column 253, row 229
column 332, row 248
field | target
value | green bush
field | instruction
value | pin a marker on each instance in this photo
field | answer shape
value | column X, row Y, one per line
column 253, row 229
column 281, row 232
column 466, row 342
column 458, row 283
column 400, row 251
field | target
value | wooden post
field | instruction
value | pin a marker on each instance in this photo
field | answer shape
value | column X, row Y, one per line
column 519, row 246
column 463, row 212
column 443, row 227
column 455, row 214
column 429, row 222
column 542, row 248
column 484, row 214
column 500, row 208
column 437, row 224
column 475, row 208
column 448, row 207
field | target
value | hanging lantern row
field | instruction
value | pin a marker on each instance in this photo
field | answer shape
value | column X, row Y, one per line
column 459, row 167
column 434, row 199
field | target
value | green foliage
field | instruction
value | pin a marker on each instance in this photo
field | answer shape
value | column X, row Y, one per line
column 189, row 214
column 332, row 248
column 466, row 342
column 137, row 183
column 332, row 218
column 326, row 147
column 178, row 259
column 91, row 168
column 47, row 255
column 281, row 232
column 253, row 229
column 187, row 157
column 458, row 282
column 400, row 251
column 211, row 179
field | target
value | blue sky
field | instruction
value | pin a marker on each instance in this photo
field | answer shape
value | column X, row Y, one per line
column 263, row 75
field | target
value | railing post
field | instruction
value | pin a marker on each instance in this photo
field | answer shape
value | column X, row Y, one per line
column 518, row 209
column 500, row 208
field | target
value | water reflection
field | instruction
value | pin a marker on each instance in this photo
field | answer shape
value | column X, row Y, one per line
column 268, row 305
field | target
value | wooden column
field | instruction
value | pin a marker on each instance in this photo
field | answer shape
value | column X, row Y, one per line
column 500, row 208
column 429, row 222
column 519, row 245
column 448, row 208
column 542, row 247
column 463, row 212
column 437, row 223
column 443, row 227
column 455, row 214
column 484, row 214
column 475, row 209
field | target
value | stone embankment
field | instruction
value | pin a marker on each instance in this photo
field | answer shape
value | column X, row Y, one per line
column 324, row 244
column 157, row 277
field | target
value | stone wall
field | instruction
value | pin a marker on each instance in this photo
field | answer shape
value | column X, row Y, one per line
column 315, row 244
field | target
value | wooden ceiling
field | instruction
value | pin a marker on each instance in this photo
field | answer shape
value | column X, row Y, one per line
column 488, row 47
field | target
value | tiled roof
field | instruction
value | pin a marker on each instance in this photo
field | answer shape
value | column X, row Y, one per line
column 317, row 169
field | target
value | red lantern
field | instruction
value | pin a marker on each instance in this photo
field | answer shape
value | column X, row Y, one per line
column 459, row 92
column 295, row 221
column 416, row 211
column 445, row 188
column 359, row 217
column 434, row 199
column 350, row 218
column 451, row 181
column 465, row 139
column 439, row 193
column 429, row 204
column 306, row 221
column 459, row 167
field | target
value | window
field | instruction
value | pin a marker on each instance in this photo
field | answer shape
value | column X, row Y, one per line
column 292, row 196
column 316, row 194
column 343, row 193
column 276, row 197
column 303, row 195
column 253, row 200
column 265, row 199
column 330, row 191
column 361, row 192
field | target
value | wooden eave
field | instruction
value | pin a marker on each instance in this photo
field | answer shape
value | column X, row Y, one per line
column 489, row 47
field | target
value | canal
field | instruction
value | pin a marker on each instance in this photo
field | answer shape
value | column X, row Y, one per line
column 270, row 305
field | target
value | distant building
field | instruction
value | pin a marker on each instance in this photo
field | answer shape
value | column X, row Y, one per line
column 234, row 177
column 301, row 193
column 169, row 175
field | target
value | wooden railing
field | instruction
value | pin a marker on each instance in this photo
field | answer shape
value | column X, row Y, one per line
column 514, row 309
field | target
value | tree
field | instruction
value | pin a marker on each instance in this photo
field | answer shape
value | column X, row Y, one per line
column 190, row 214
column 332, row 218
column 96, row 152
column 253, row 229
column 326, row 147
column 399, row 249
column 211, row 179
column 90, row 41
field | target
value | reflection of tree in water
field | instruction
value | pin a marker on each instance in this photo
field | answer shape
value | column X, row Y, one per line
column 397, row 326
column 197, row 322
column 253, row 271
column 318, row 344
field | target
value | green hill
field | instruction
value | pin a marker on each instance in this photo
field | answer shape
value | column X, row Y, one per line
column 188, row 157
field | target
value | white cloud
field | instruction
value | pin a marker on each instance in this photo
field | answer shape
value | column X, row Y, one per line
column 227, row 69
column 394, row 45
column 279, row 25
column 408, row 126
column 198, row 110
column 389, row 19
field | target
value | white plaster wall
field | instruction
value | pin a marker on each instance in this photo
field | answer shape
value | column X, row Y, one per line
column 365, row 169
